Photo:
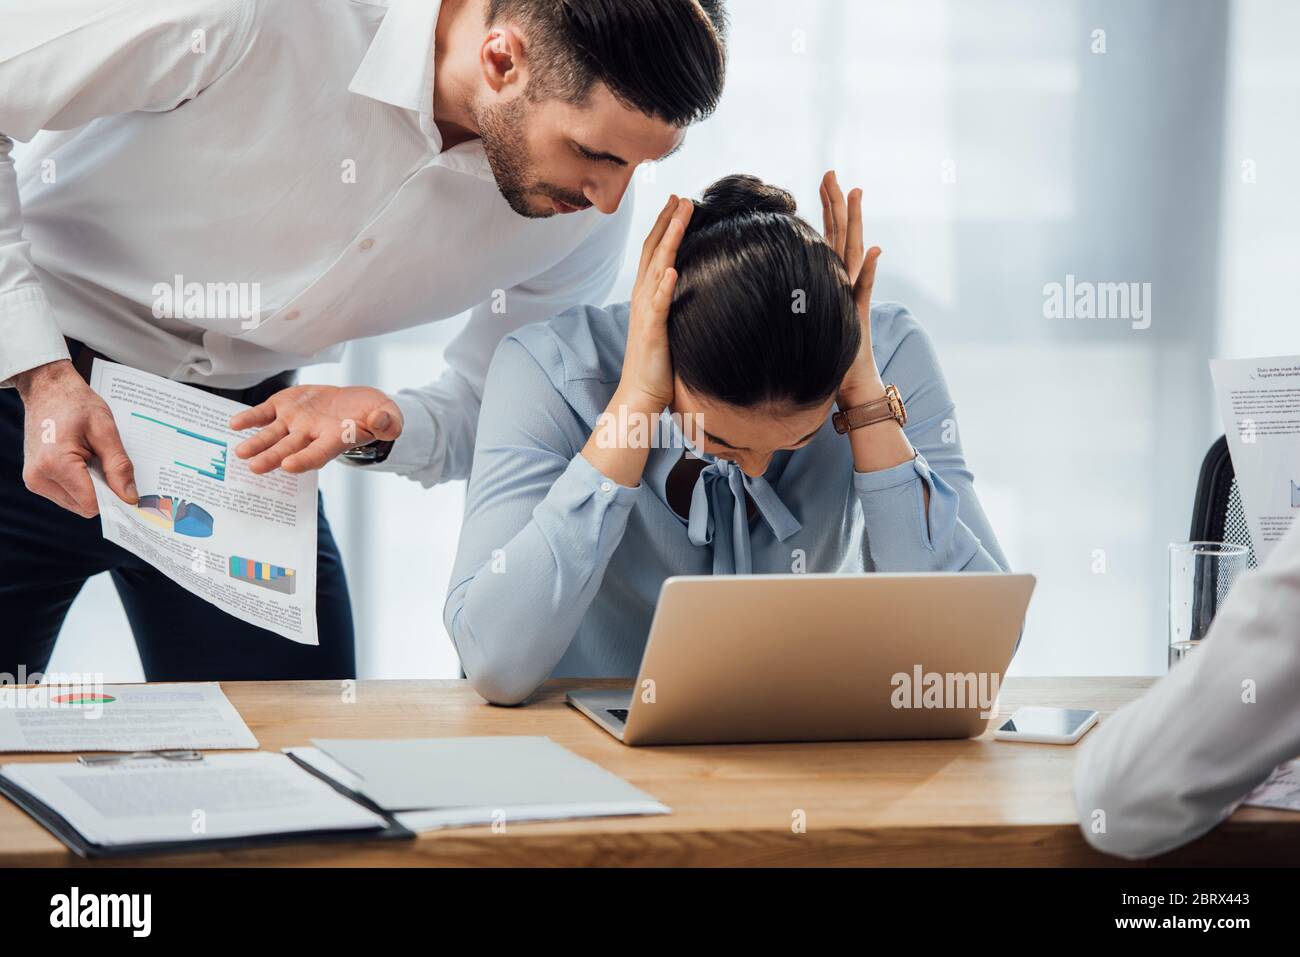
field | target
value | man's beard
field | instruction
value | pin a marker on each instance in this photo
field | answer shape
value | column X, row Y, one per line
column 501, row 129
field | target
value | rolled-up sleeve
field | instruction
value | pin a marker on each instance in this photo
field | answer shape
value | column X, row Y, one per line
column 541, row 525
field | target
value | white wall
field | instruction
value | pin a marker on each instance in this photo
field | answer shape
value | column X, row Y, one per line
column 1258, row 310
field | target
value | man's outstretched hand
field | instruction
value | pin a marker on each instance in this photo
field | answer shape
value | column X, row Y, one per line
column 304, row 427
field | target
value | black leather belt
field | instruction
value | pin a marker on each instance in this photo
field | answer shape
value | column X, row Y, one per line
column 83, row 358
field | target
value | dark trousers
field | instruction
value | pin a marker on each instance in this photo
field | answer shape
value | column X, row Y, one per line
column 47, row 553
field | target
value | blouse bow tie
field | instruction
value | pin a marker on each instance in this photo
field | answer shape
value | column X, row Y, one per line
column 720, row 490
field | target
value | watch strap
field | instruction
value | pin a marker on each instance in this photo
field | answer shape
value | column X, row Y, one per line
column 372, row 453
column 888, row 406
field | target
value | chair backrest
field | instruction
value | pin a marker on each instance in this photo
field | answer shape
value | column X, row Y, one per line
column 1217, row 513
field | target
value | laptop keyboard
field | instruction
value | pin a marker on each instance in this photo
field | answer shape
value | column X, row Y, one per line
column 620, row 714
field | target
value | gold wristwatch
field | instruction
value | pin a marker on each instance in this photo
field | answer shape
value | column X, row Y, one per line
column 888, row 406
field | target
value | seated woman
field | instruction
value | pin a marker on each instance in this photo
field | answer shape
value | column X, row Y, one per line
column 577, row 510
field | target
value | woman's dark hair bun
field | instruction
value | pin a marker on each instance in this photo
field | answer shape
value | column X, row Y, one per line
column 762, row 310
column 741, row 195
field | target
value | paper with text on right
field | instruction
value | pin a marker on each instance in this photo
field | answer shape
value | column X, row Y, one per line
column 1281, row 790
column 1259, row 403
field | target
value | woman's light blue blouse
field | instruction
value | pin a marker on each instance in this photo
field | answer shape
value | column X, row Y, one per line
column 559, row 567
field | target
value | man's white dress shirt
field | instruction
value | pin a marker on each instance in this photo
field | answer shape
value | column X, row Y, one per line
column 1170, row 766
column 283, row 146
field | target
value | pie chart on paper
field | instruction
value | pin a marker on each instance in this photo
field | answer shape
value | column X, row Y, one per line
column 175, row 515
column 83, row 697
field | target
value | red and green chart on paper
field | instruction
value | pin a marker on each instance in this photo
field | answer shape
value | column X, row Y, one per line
column 83, row 697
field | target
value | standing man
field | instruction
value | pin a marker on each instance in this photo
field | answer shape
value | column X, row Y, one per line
column 319, row 171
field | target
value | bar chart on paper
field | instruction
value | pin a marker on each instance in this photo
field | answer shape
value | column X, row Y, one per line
column 182, row 447
column 274, row 577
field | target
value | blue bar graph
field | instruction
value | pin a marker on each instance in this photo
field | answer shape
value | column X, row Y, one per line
column 192, row 450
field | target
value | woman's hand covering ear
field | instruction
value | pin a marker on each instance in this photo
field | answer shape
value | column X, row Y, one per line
column 647, row 379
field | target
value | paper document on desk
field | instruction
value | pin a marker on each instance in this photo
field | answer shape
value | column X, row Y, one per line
column 100, row 717
column 1259, row 403
column 1281, row 790
column 161, row 801
column 430, row 783
column 244, row 542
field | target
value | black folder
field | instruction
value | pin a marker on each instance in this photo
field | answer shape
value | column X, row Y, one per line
column 76, row 842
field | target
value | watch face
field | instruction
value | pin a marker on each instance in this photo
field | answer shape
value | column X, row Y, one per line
column 375, row 451
column 896, row 404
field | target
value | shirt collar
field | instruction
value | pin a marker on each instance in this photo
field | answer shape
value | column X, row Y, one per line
column 398, row 67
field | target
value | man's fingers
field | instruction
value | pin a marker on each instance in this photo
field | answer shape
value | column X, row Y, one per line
column 257, row 416
column 656, row 233
column 46, row 487
column 73, row 477
column 106, row 444
column 262, row 440
column 273, row 457
column 385, row 422
column 76, row 482
column 319, row 454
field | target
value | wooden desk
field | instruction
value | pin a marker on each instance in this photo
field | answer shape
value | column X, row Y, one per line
column 976, row 802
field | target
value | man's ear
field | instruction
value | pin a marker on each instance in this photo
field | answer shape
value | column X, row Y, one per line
column 503, row 60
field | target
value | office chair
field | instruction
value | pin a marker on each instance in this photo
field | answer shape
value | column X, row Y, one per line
column 1217, row 514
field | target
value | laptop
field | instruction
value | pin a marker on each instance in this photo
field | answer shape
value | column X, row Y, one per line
column 748, row 658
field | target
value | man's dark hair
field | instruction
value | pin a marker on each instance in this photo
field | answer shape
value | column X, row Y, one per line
column 763, row 311
column 665, row 58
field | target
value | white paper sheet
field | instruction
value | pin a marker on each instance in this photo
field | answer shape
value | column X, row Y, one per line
column 244, row 542
column 100, row 717
column 1281, row 790
column 1259, row 403
column 623, row 801
column 224, row 795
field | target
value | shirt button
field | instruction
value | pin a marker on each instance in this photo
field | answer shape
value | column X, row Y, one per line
column 606, row 487
column 367, row 243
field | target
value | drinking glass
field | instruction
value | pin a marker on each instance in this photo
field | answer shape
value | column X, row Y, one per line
column 1200, row 577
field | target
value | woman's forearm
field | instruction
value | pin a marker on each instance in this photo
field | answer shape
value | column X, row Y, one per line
column 882, row 445
column 912, row 522
column 619, row 446
column 514, row 610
